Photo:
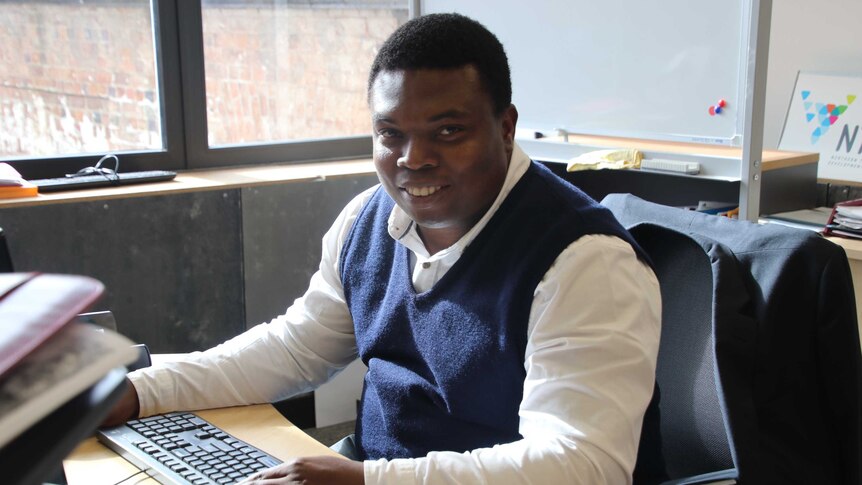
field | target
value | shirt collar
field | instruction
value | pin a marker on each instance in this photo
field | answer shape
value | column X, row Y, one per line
column 403, row 229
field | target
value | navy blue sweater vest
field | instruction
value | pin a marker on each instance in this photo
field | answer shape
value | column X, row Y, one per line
column 446, row 367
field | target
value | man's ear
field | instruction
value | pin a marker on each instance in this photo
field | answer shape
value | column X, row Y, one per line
column 509, row 120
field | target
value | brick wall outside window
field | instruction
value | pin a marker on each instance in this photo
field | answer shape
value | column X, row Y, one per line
column 79, row 78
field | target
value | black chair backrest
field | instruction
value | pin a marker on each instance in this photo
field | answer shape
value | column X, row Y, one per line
column 786, row 344
column 693, row 431
column 5, row 258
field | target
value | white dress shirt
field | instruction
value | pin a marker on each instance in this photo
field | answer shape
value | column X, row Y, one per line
column 593, row 339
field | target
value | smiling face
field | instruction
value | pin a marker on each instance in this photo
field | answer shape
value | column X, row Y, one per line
column 440, row 151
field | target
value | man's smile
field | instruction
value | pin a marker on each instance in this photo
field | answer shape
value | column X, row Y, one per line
column 422, row 191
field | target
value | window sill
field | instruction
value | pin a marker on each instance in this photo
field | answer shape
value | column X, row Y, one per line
column 199, row 180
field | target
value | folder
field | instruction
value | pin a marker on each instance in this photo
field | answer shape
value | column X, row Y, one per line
column 845, row 220
column 34, row 306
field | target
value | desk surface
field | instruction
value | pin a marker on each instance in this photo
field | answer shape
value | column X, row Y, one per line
column 772, row 159
column 199, row 180
column 262, row 426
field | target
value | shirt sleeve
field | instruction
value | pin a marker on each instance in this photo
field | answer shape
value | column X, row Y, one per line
column 293, row 353
column 590, row 364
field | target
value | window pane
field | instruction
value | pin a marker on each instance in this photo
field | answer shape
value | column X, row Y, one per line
column 281, row 70
column 76, row 77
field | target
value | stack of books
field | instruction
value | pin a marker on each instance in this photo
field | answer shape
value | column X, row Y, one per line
column 46, row 357
column 845, row 220
column 13, row 185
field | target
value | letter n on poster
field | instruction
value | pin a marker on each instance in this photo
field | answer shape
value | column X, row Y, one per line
column 825, row 117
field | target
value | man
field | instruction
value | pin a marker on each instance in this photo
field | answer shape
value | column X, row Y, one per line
column 509, row 326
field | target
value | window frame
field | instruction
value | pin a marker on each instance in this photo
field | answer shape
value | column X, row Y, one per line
column 179, row 57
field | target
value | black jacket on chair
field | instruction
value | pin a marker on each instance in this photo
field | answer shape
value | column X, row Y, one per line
column 786, row 346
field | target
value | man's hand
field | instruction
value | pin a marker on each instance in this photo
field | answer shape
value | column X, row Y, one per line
column 321, row 470
column 126, row 408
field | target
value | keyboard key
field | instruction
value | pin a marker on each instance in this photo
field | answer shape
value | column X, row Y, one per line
column 268, row 461
column 222, row 446
column 197, row 421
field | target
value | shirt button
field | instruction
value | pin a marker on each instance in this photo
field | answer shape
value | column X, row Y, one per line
column 426, row 265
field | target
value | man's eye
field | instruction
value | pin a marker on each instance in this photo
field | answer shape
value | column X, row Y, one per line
column 387, row 133
column 449, row 130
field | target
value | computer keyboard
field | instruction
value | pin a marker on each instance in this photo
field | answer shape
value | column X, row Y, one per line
column 182, row 449
column 101, row 180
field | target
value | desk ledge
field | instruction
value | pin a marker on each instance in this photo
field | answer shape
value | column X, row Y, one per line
column 200, row 180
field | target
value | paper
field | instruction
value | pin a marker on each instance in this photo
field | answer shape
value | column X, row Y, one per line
column 9, row 177
column 606, row 159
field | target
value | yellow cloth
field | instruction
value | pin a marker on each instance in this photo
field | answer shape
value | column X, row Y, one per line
column 614, row 159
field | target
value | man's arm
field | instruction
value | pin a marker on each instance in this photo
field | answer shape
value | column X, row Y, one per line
column 126, row 408
column 590, row 362
column 293, row 353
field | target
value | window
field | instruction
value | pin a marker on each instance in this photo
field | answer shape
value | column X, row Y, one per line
column 186, row 84
column 280, row 71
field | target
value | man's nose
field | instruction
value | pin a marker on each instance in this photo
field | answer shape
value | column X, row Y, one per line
column 416, row 156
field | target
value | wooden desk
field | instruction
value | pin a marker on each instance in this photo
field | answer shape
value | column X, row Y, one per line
column 201, row 180
column 772, row 159
column 789, row 179
column 262, row 426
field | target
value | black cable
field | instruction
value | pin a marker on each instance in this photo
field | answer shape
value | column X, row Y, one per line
column 129, row 477
column 97, row 169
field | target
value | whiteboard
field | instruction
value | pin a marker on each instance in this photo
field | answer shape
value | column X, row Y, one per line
column 643, row 69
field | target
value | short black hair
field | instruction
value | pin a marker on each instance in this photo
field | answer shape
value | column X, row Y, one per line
column 448, row 41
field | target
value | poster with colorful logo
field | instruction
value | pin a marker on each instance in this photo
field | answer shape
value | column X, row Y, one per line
column 825, row 117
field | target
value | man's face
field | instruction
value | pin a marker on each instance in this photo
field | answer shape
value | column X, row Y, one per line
column 440, row 151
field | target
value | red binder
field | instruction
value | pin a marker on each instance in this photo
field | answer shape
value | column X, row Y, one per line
column 835, row 229
column 34, row 306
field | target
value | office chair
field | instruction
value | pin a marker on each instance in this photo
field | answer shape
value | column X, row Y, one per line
column 694, row 439
column 5, row 258
column 786, row 364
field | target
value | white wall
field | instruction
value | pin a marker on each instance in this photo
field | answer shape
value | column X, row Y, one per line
column 808, row 35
